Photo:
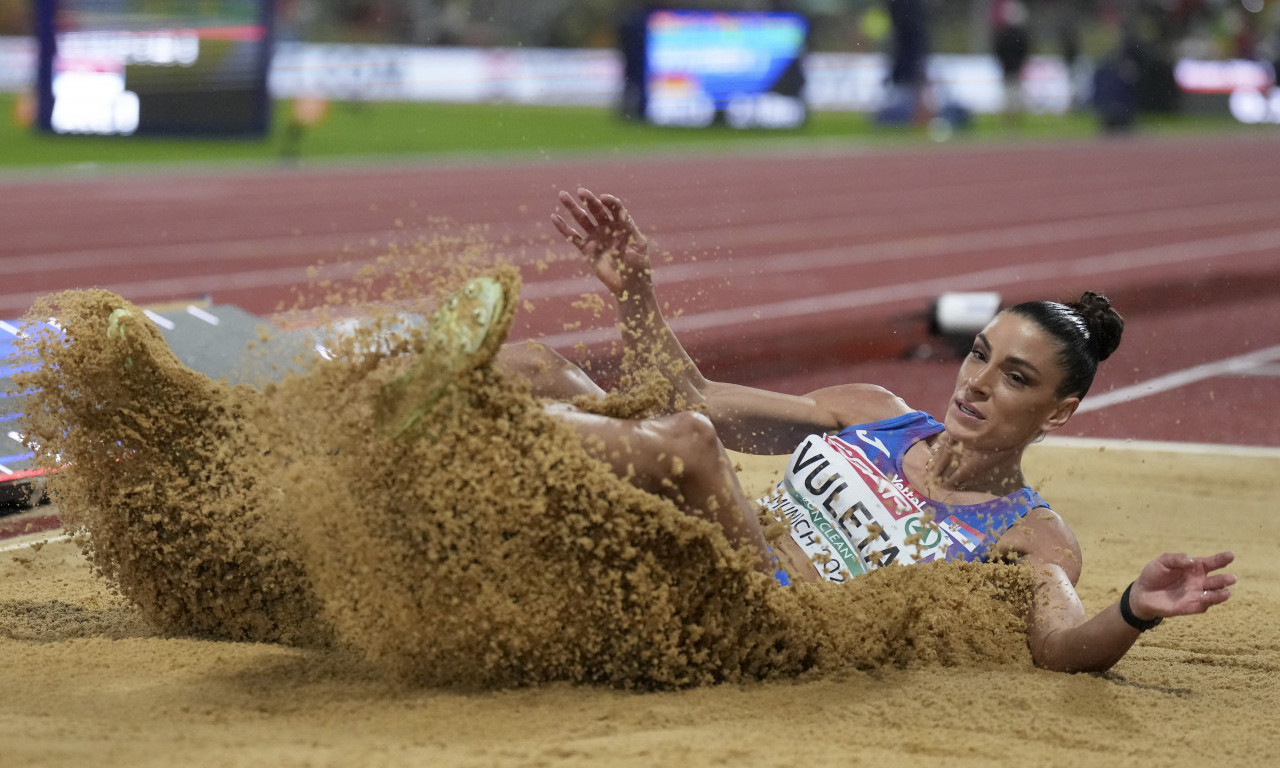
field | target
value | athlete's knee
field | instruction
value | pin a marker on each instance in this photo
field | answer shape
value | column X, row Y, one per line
column 527, row 357
column 691, row 436
column 548, row 373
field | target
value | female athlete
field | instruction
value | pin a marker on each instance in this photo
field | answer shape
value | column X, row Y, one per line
column 873, row 481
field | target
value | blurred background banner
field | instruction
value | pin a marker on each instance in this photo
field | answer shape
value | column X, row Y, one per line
column 154, row 67
column 743, row 69
column 347, row 72
column 184, row 67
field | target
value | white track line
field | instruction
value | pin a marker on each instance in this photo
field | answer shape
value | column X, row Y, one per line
column 163, row 288
column 783, row 263
column 1084, row 225
column 200, row 314
column 196, row 251
column 987, row 279
column 1066, row 227
column 1159, row 446
column 29, row 544
column 770, row 263
column 1237, row 364
column 930, row 246
column 160, row 320
column 1006, row 236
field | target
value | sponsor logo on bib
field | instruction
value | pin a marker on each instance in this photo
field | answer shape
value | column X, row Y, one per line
column 850, row 518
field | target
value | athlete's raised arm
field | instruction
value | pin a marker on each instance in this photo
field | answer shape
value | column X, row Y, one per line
column 747, row 419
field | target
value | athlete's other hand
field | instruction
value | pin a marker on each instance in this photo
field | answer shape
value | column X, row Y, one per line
column 618, row 252
column 1179, row 585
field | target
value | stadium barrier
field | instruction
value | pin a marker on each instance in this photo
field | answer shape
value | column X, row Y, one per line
column 593, row 77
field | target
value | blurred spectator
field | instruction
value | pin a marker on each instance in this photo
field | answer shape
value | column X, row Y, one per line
column 908, row 68
column 1078, row 71
column 632, row 40
column 1115, row 86
column 1011, row 43
column 1114, row 94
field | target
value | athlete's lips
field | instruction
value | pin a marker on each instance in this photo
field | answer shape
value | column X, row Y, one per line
column 969, row 410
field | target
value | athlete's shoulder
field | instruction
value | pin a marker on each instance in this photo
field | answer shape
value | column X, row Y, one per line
column 851, row 404
column 1044, row 536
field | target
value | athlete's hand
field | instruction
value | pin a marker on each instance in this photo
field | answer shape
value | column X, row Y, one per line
column 1179, row 585
column 617, row 251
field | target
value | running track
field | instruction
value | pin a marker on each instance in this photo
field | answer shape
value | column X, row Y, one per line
column 791, row 270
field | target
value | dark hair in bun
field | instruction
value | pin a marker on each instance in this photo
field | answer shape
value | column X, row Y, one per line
column 1087, row 332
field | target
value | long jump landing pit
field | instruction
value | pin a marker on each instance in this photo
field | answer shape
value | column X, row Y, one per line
column 86, row 682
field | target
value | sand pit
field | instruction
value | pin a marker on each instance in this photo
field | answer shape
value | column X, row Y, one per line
column 87, row 681
column 405, row 502
column 329, row 571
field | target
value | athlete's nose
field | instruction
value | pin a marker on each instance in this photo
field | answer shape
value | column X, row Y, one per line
column 980, row 382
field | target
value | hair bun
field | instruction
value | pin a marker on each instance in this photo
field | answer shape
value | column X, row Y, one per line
column 1104, row 323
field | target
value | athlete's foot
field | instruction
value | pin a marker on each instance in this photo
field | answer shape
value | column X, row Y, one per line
column 463, row 334
column 139, row 345
column 117, row 330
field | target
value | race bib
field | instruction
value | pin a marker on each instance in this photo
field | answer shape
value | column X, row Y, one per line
column 849, row 517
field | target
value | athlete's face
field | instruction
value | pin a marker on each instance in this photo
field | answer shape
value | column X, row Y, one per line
column 1005, row 393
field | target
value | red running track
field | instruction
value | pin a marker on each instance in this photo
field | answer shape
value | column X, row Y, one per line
column 791, row 270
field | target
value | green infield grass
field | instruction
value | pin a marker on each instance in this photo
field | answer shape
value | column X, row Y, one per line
column 366, row 131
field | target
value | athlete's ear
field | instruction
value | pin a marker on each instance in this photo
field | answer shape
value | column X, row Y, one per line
column 1060, row 415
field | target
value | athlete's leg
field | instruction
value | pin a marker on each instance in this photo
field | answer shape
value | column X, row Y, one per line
column 677, row 456
column 549, row 374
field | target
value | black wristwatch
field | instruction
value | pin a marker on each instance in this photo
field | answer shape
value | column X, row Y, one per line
column 1134, row 621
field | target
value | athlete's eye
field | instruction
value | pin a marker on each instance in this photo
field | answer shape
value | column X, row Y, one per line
column 977, row 354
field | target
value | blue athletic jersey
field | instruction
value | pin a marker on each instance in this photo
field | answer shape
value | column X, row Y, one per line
column 975, row 527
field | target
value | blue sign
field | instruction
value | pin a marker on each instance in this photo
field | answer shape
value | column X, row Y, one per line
column 744, row 69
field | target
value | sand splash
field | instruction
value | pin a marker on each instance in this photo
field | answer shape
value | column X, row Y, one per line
column 485, row 549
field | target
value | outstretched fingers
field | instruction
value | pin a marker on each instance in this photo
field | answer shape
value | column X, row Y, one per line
column 615, row 206
column 596, row 220
column 577, row 211
column 1176, row 584
column 602, row 213
column 1216, row 585
column 567, row 231
column 1179, row 561
column 1220, row 560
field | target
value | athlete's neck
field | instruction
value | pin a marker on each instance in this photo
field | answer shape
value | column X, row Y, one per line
column 954, row 467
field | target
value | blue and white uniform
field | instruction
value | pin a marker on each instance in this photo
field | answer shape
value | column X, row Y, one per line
column 849, row 507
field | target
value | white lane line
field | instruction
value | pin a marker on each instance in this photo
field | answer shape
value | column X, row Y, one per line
column 200, row 314
column 1159, row 446
column 1011, row 235
column 163, row 288
column 1208, row 248
column 159, row 320
column 987, row 279
column 270, row 248
column 1176, row 379
column 29, row 544
column 1088, row 223
column 11, row 329
column 801, row 261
